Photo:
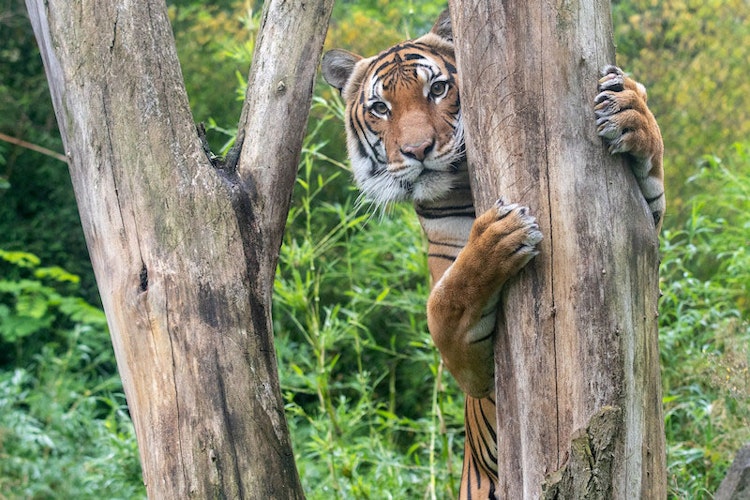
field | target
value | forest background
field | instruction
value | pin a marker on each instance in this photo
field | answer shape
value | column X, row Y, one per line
column 371, row 411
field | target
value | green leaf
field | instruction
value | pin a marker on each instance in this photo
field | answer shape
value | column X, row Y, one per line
column 20, row 259
column 56, row 273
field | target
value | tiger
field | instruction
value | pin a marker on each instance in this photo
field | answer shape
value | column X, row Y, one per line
column 405, row 140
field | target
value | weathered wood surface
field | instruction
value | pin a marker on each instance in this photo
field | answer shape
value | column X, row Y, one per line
column 736, row 484
column 184, row 253
column 579, row 332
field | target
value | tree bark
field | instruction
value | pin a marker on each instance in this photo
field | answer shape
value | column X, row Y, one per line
column 736, row 484
column 577, row 360
column 185, row 252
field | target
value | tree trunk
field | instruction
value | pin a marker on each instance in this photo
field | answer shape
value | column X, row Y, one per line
column 577, row 360
column 184, row 252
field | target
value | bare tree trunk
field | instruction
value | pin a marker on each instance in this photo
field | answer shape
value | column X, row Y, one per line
column 577, row 361
column 184, row 253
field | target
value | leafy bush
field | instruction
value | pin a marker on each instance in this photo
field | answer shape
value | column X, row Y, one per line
column 64, row 427
column 693, row 57
column 705, row 328
column 215, row 41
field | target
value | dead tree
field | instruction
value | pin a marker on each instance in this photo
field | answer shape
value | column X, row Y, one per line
column 184, row 248
column 577, row 360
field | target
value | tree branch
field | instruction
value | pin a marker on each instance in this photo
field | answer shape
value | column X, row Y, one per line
column 33, row 147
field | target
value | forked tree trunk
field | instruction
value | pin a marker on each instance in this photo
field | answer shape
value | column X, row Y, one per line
column 577, row 360
column 184, row 252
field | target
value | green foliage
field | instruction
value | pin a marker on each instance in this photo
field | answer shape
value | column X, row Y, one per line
column 367, row 27
column 693, row 55
column 705, row 328
column 37, row 208
column 215, row 43
column 34, row 301
column 64, row 427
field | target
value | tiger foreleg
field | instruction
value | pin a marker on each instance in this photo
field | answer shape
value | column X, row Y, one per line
column 628, row 126
column 461, row 309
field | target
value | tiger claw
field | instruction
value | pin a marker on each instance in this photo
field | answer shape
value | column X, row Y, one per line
column 503, row 210
column 611, row 69
column 613, row 78
column 533, row 236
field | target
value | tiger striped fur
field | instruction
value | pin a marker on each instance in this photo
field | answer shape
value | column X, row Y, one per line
column 405, row 141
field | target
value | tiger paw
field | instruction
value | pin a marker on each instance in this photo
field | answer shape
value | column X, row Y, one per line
column 502, row 241
column 624, row 120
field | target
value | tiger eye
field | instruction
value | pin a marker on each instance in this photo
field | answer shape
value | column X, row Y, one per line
column 379, row 108
column 438, row 89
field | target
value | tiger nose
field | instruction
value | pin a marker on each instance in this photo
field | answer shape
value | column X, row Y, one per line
column 418, row 151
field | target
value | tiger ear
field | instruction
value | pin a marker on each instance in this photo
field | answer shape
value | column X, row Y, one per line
column 443, row 27
column 337, row 66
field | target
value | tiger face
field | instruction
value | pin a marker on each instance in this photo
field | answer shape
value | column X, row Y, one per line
column 403, row 118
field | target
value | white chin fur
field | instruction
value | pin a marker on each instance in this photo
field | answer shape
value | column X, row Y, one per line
column 433, row 185
column 383, row 188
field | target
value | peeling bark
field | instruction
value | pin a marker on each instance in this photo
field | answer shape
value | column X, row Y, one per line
column 587, row 472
